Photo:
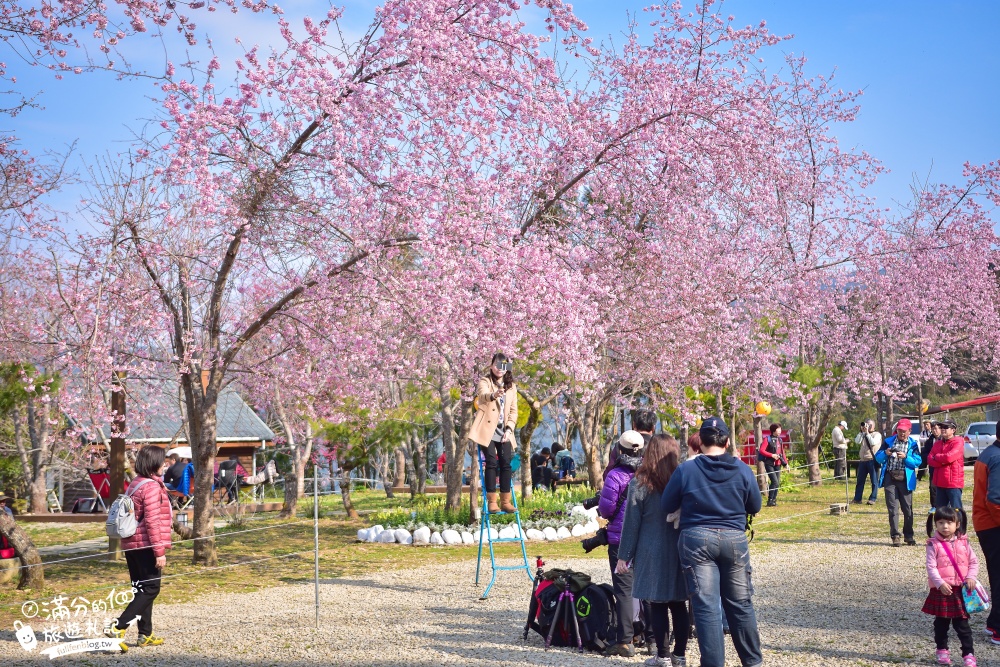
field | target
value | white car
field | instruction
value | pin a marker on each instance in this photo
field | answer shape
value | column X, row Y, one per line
column 978, row 436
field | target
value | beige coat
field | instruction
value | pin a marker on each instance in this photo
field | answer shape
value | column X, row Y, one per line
column 484, row 424
column 876, row 441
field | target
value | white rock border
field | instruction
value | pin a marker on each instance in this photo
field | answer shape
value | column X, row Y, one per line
column 585, row 524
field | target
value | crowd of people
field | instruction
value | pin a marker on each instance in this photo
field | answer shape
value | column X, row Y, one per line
column 677, row 531
column 677, row 537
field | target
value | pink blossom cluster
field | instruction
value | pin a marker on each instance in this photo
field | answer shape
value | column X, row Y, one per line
column 340, row 219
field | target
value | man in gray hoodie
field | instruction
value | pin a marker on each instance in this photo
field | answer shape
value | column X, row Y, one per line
column 715, row 492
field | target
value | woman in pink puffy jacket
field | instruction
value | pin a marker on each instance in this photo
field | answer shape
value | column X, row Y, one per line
column 145, row 552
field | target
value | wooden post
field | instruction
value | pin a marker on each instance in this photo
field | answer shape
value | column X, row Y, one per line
column 758, row 438
column 920, row 406
column 116, row 461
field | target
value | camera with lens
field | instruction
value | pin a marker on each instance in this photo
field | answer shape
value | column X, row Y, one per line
column 591, row 503
column 600, row 539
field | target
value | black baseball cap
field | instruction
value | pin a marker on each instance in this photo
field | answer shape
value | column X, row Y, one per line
column 713, row 428
column 948, row 422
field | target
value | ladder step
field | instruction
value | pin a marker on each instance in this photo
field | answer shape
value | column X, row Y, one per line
column 507, row 539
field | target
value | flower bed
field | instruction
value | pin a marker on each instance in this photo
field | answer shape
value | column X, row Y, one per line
column 573, row 521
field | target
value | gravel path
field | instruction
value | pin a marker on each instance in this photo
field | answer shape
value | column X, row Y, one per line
column 842, row 601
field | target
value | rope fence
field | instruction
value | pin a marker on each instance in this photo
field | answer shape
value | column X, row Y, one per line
column 201, row 571
column 104, row 554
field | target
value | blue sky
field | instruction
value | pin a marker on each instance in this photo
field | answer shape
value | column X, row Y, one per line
column 930, row 79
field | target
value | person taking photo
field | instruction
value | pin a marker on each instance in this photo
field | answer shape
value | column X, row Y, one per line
column 869, row 441
column 493, row 429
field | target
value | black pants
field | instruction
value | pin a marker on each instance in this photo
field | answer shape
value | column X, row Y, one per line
column 490, row 454
column 661, row 626
column 839, row 463
column 898, row 497
column 962, row 629
column 933, row 493
column 622, row 583
column 541, row 477
column 773, row 469
column 989, row 540
column 146, row 580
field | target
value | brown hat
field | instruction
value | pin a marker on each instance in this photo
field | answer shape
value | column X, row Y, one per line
column 3, row 498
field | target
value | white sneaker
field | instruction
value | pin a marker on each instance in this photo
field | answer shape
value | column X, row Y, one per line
column 677, row 661
column 656, row 661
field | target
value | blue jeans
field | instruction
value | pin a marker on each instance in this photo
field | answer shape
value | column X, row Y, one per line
column 946, row 497
column 717, row 566
column 867, row 470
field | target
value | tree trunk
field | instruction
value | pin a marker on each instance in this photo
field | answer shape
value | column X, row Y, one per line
column 534, row 417
column 474, row 492
column 38, row 434
column 301, row 452
column 810, row 443
column 183, row 530
column 812, row 460
column 22, row 451
column 684, row 442
column 399, row 472
column 589, row 427
column 386, row 471
column 454, row 451
column 464, row 427
column 291, row 502
column 37, row 492
column 345, row 494
column 410, row 463
column 734, row 443
column 202, row 402
column 33, row 572
column 419, row 452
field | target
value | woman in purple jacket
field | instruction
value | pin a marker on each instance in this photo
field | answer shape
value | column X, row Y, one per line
column 612, row 508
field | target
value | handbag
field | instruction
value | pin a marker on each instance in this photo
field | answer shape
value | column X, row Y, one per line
column 897, row 475
column 977, row 600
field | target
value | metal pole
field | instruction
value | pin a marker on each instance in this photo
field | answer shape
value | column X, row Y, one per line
column 847, row 483
column 316, row 535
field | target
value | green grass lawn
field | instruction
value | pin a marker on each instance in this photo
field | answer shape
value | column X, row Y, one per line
column 52, row 534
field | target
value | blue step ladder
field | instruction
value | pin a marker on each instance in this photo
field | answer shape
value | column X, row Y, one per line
column 484, row 531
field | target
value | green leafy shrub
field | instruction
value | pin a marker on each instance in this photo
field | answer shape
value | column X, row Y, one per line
column 544, row 507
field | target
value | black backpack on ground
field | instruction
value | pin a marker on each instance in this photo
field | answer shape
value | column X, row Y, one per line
column 595, row 614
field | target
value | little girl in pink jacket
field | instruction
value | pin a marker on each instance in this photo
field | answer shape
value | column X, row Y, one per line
column 951, row 564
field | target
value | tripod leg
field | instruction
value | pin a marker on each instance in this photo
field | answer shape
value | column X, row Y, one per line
column 555, row 621
column 576, row 622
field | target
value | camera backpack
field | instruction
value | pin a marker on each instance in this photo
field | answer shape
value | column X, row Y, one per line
column 594, row 605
